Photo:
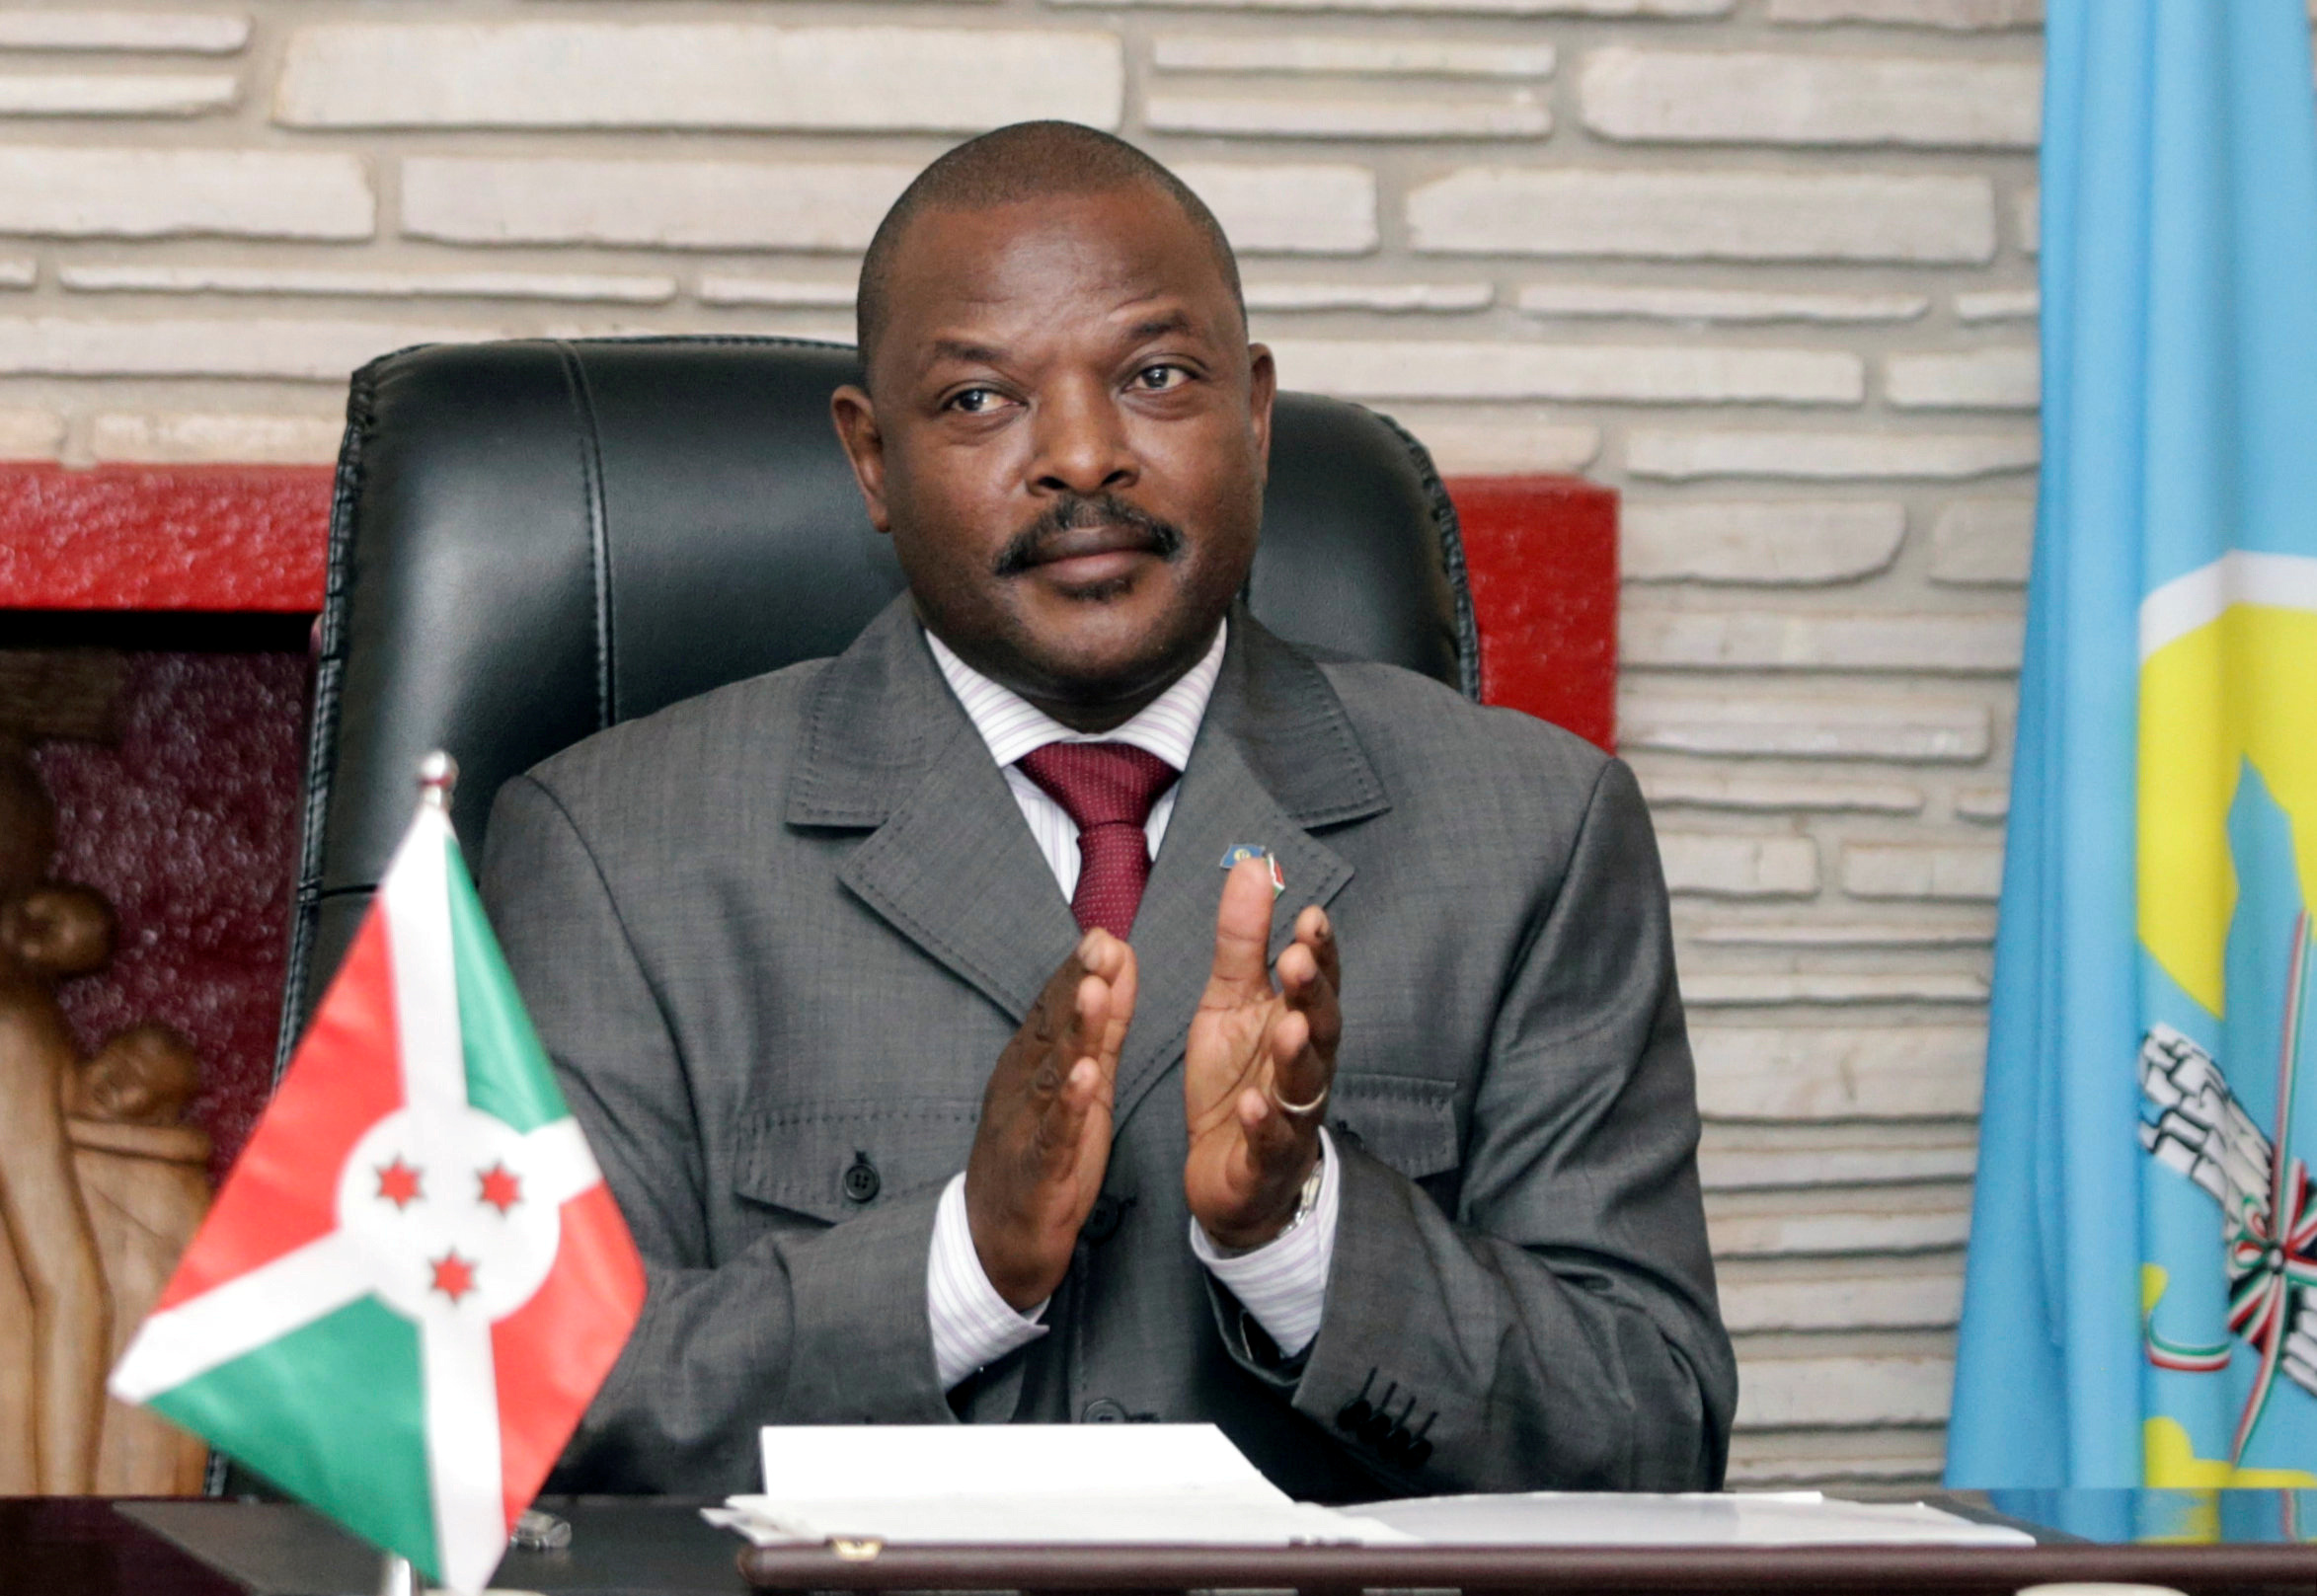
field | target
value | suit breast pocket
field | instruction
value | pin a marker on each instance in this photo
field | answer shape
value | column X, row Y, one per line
column 1407, row 1121
column 833, row 1159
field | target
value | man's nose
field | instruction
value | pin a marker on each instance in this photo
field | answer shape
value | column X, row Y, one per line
column 1081, row 445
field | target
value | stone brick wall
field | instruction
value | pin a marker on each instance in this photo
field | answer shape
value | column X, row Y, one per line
column 1766, row 266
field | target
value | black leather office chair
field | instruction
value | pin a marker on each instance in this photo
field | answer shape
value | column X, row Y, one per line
column 531, row 541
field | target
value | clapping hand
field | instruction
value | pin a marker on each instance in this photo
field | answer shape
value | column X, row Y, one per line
column 1259, row 1065
column 1045, row 1138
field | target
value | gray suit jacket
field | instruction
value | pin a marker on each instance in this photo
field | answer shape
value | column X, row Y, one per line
column 776, row 936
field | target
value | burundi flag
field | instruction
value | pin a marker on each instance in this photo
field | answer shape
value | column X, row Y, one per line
column 2140, row 1298
column 414, row 1279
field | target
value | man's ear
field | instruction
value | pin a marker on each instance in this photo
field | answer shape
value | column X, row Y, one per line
column 855, row 415
column 1263, row 385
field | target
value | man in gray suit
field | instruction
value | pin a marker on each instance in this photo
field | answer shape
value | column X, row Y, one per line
column 939, row 1071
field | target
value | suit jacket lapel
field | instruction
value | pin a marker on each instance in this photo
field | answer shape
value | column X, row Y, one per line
column 1276, row 756
column 948, row 863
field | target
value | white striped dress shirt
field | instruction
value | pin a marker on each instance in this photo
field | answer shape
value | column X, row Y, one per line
column 1283, row 1284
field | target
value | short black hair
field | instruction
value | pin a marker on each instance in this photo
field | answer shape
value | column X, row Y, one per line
column 1024, row 161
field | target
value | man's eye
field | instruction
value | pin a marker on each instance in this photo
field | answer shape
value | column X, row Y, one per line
column 973, row 401
column 1159, row 378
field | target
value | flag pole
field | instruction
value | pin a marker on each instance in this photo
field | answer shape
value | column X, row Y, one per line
column 396, row 1577
column 438, row 773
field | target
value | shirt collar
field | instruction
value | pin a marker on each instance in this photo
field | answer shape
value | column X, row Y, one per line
column 1013, row 726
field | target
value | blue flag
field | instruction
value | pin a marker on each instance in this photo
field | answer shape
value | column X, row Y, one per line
column 2140, row 1300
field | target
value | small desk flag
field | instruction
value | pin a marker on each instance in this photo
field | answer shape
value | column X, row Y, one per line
column 414, row 1279
column 2140, row 1297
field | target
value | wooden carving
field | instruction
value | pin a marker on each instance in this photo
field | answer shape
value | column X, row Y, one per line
column 100, row 1184
column 144, row 1182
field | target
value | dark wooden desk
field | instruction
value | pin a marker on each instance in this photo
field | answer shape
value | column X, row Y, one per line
column 71, row 1548
column 65, row 1546
column 2206, row 1571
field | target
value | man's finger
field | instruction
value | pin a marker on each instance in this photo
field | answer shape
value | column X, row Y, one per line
column 1090, row 1021
column 1268, row 1137
column 1062, row 1127
column 1243, row 935
column 1311, row 954
column 1308, row 984
column 1123, row 986
column 1289, row 1041
column 1298, row 1074
column 1098, row 954
column 1315, row 931
column 1310, row 991
column 1082, row 1081
column 1102, row 1033
column 1052, row 1009
column 1325, row 1014
column 1064, row 1020
column 1298, row 972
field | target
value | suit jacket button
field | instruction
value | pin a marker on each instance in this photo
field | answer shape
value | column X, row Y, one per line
column 862, row 1183
column 1416, row 1453
column 1102, row 1220
column 1353, row 1414
column 1103, row 1410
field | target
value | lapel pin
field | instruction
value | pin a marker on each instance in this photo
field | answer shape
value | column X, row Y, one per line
column 1256, row 849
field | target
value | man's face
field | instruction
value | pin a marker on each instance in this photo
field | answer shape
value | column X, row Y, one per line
column 1067, row 442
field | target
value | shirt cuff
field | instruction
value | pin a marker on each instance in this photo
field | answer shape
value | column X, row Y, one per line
column 973, row 1326
column 1284, row 1283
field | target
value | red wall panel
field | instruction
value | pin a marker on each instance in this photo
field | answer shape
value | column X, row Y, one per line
column 163, row 537
column 1543, row 558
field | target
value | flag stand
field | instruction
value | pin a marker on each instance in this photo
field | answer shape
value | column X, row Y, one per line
column 396, row 1577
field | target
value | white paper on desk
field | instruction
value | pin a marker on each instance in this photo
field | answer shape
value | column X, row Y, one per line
column 1116, row 1485
column 1729, row 1518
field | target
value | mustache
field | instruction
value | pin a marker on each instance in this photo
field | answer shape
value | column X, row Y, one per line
column 1073, row 513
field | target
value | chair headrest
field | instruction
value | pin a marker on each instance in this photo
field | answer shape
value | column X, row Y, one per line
column 534, row 540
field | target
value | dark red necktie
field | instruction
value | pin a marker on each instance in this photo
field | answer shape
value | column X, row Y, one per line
column 1108, row 789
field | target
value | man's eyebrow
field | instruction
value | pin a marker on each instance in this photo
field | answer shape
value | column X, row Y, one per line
column 972, row 353
column 950, row 348
column 1160, row 325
